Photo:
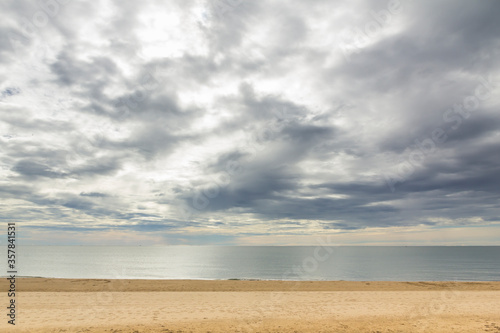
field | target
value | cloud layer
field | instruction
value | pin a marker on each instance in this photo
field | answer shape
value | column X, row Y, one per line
column 236, row 122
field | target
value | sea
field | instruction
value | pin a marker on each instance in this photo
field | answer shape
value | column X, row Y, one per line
column 352, row 263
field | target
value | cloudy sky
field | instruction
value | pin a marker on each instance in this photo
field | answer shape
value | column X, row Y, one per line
column 250, row 122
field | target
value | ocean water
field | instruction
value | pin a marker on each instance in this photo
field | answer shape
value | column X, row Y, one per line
column 364, row 263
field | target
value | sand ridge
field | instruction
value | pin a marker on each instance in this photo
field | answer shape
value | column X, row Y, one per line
column 88, row 285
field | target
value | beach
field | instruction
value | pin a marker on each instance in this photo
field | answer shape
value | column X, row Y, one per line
column 90, row 305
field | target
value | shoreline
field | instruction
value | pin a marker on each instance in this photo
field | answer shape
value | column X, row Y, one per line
column 152, row 285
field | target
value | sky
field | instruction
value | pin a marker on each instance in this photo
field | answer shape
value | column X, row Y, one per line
column 236, row 122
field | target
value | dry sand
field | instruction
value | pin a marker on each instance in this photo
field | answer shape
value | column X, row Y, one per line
column 66, row 305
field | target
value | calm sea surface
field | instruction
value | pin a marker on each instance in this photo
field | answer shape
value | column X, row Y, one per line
column 261, row 262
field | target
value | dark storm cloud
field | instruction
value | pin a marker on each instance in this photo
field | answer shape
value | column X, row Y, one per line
column 476, row 128
column 471, row 169
column 32, row 169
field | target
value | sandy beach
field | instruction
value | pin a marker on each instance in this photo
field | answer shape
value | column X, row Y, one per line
column 68, row 305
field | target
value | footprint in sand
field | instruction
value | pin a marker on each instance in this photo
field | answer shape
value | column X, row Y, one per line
column 492, row 327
